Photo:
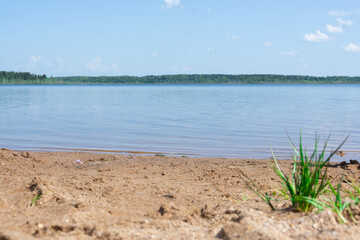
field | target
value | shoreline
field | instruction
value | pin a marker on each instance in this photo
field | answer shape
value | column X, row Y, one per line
column 113, row 196
column 343, row 155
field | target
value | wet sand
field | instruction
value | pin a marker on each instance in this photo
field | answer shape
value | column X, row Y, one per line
column 109, row 196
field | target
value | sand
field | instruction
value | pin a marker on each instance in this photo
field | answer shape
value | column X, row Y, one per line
column 108, row 196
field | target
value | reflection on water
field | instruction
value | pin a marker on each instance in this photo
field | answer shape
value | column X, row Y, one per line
column 208, row 120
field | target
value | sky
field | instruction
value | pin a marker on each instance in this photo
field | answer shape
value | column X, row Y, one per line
column 155, row 37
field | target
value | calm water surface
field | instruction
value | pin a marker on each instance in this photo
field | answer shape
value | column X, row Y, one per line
column 206, row 120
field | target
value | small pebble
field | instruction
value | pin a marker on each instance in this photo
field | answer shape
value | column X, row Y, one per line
column 343, row 164
column 353, row 161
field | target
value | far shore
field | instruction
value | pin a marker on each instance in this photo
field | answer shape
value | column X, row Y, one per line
column 161, row 84
column 33, row 79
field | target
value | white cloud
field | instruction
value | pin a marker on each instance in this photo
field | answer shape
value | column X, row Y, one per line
column 208, row 49
column 186, row 69
column 18, row 67
column 115, row 67
column 268, row 44
column 172, row 3
column 34, row 60
column 60, row 61
column 337, row 13
column 209, row 10
column 289, row 53
column 48, row 64
column 316, row 37
column 302, row 63
column 155, row 54
column 333, row 29
column 233, row 37
column 340, row 21
column 96, row 65
column 351, row 48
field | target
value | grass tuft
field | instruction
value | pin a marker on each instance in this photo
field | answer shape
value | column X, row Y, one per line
column 35, row 199
column 309, row 176
column 308, row 180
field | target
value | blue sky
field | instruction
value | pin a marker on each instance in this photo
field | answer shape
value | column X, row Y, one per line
column 153, row 37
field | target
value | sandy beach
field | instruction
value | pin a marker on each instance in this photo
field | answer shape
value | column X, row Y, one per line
column 111, row 196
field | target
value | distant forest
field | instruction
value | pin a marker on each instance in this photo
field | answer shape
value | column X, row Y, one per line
column 28, row 78
column 210, row 78
column 19, row 77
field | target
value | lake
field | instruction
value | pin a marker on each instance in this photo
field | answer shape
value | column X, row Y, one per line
column 199, row 120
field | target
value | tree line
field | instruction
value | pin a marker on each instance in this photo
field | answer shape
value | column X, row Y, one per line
column 207, row 79
column 28, row 78
column 20, row 76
